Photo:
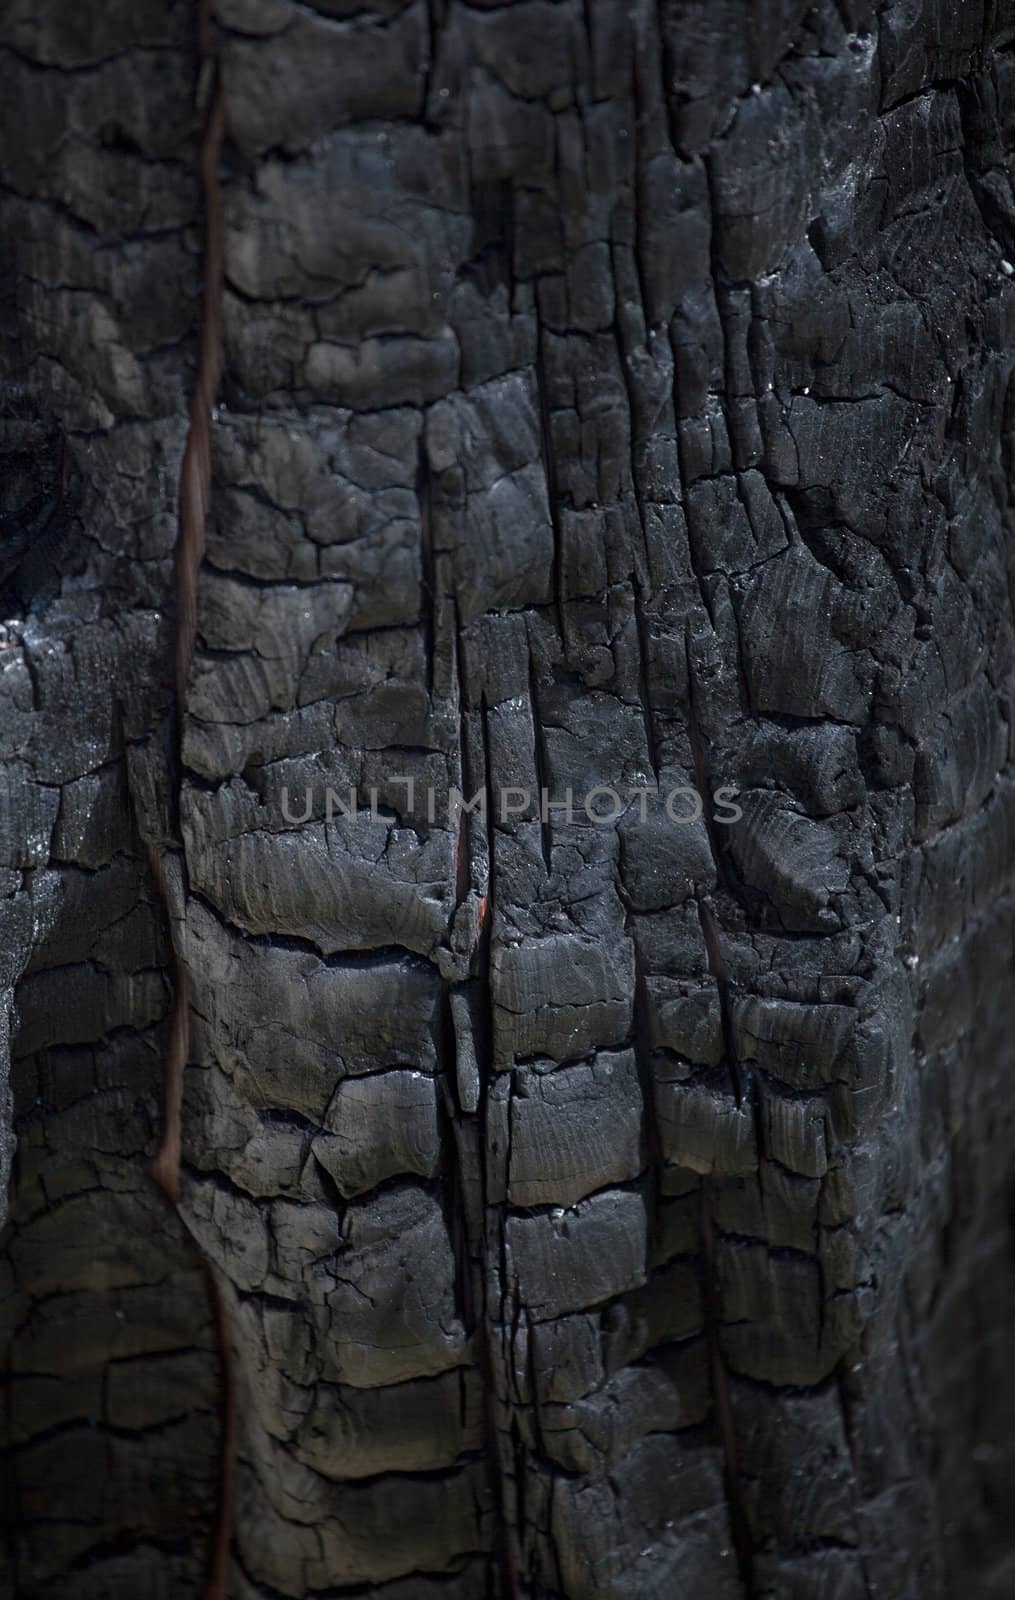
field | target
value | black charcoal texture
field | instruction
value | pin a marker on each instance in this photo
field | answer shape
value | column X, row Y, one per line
column 577, row 1200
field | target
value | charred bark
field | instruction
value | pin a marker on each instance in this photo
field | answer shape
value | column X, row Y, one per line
column 412, row 411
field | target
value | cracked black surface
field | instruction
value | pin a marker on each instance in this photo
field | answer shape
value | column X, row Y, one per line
column 612, row 395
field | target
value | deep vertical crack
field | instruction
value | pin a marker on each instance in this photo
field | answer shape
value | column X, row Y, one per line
column 428, row 580
column 484, row 1057
column 550, row 475
column 735, row 1500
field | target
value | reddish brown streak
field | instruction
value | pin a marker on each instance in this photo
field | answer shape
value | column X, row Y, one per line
column 195, row 485
column 194, row 494
column 166, row 1166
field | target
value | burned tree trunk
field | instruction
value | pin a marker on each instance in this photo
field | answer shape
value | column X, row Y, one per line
column 508, row 817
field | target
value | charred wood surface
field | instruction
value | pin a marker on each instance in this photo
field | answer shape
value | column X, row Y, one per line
column 549, row 397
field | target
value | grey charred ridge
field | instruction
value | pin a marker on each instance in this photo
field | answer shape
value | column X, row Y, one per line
column 611, row 395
